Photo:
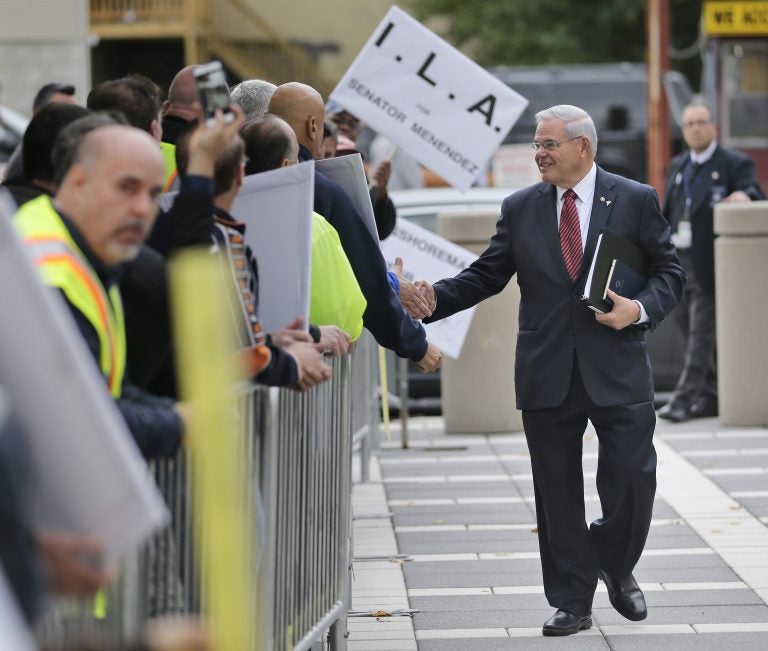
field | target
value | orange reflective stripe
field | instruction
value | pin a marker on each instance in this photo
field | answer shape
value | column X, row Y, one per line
column 170, row 180
column 63, row 265
column 97, row 295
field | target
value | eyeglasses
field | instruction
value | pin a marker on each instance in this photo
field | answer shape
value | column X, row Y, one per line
column 551, row 145
column 695, row 123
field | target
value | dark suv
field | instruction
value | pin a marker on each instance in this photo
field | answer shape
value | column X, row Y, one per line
column 614, row 94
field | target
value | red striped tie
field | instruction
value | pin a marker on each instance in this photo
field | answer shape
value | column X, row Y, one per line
column 570, row 235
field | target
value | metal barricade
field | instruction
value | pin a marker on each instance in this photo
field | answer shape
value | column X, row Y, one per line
column 364, row 388
column 298, row 447
column 307, row 494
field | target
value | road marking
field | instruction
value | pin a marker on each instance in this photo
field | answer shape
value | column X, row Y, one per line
column 539, row 589
column 516, row 556
column 524, row 526
column 727, row 472
column 728, row 452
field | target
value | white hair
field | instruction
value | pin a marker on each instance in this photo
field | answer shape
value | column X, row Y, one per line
column 253, row 96
column 577, row 122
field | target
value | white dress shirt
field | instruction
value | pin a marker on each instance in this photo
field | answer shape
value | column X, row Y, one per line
column 585, row 194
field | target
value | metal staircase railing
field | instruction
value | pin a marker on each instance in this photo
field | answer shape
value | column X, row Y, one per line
column 267, row 55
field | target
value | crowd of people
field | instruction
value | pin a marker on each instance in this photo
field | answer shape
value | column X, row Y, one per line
column 88, row 182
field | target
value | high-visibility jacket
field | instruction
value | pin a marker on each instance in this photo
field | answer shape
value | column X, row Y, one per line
column 62, row 264
column 171, row 172
column 335, row 297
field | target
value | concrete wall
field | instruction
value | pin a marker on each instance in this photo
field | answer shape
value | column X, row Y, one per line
column 42, row 41
column 741, row 269
column 478, row 389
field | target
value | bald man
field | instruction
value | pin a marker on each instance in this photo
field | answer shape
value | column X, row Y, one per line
column 109, row 177
column 182, row 96
column 302, row 107
column 179, row 112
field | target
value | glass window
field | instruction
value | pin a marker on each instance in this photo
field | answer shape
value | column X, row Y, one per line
column 744, row 78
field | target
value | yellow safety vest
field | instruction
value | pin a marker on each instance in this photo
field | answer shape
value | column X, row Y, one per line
column 169, row 155
column 62, row 264
column 335, row 297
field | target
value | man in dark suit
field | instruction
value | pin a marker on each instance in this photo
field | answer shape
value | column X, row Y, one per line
column 698, row 179
column 573, row 365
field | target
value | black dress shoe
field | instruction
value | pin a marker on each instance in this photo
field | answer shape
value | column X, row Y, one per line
column 565, row 623
column 704, row 408
column 674, row 413
column 625, row 596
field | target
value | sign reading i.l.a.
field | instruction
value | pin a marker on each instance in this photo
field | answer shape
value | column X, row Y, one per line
column 429, row 99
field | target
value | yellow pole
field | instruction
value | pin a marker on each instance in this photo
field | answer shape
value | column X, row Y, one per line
column 384, row 391
column 222, row 511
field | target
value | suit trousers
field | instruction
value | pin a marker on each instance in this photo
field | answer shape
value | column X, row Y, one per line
column 572, row 552
column 696, row 315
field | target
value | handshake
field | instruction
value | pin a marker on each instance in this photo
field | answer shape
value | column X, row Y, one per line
column 418, row 299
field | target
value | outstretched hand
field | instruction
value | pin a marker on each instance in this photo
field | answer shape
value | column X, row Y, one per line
column 428, row 292
column 410, row 296
column 381, row 174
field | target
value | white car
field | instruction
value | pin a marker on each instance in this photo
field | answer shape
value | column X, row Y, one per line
column 12, row 127
column 422, row 205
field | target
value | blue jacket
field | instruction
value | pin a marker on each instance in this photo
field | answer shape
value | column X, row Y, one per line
column 386, row 319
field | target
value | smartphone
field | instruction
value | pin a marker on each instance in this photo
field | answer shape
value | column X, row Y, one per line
column 212, row 89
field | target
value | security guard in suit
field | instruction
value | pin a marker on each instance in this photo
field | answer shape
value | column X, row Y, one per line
column 698, row 179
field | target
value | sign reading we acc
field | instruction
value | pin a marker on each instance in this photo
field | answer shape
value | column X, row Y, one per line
column 736, row 18
column 429, row 99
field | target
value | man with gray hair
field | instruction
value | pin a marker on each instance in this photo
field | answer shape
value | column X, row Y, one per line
column 252, row 96
column 574, row 366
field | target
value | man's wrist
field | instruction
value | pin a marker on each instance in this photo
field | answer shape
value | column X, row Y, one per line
column 642, row 315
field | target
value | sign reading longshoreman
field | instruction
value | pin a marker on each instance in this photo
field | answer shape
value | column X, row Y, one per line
column 736, row 18
column 431, row 257
column 428, row 98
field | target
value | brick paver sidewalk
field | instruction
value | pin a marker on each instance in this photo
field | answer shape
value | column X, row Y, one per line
column 460, row 509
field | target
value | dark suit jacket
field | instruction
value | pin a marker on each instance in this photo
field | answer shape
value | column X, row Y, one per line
column 724, row 173
column 553, row 322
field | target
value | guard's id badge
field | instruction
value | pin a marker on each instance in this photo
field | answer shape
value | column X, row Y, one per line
column 682, row 238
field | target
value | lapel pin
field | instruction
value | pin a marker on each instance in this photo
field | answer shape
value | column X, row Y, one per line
column 608, row 203
column 715, row 175
column 602, row 198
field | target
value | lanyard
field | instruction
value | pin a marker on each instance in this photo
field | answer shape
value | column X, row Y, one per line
column 691, row 170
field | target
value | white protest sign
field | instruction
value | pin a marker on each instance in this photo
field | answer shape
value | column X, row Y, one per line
column 276, row 207
column 349, row 173
column 430, row 257
column 428, row 98
column 86, row 475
